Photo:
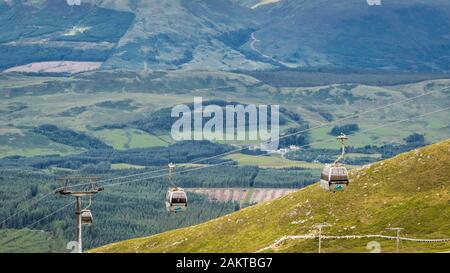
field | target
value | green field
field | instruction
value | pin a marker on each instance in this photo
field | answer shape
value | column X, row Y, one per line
column 356, row 155
column 271, row 161
column 85, row 111
column 123, row 166
column 129, row 138
column 23, row 143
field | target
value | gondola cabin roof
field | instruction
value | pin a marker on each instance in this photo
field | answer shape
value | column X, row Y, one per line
column 334, row 173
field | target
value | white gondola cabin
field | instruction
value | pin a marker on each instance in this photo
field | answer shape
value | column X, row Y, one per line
column 86, row 217
column 176, row 200
column 334, row 178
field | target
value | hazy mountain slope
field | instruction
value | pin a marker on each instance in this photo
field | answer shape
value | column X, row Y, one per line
column 410, row 35
column 51, row 30
column 399, row 34
column 131, row 34
column 188, row 34
column 409, row 191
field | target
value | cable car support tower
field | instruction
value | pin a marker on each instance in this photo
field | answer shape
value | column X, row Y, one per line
column 83, row 216
column 342, row 138
column 171, row 169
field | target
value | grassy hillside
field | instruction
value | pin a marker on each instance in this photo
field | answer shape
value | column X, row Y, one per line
column 26, row 241
column 409, row 191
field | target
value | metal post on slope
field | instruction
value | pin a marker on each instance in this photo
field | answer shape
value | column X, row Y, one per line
column 397, row 238
column 78, row 215
column 86, row 187
column 320, row 239
column 320, row 226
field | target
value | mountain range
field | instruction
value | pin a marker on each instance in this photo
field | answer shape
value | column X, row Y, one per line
column 401, row 35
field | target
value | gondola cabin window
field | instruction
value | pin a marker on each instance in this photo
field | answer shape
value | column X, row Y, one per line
column 178, row 198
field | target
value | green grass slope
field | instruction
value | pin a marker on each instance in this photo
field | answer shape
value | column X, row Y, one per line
column 26, row 241
column 410, row 191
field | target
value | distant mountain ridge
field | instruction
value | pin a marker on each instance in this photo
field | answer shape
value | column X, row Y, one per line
column 401, row 35
column 397, row 35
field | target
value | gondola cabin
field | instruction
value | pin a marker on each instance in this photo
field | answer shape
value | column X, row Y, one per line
column 86, row 217
column 334, row 178
column 176, row 200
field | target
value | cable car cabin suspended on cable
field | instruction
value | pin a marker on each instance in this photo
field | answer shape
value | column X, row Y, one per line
column 86, row 214
column 86, row 217
column 334, row 176
column 176, row 198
